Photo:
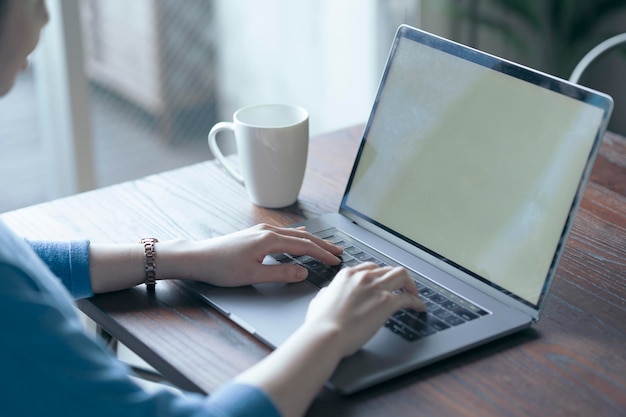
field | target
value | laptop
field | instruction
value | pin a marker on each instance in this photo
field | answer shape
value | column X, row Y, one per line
column 468, row 174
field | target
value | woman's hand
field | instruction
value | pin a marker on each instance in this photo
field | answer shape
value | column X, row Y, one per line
column 237, row 259
column 358, row 302
column 341, row 318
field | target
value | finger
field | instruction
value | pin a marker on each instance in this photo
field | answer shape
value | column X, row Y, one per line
column 399, row 279
column 405, row 300
column 351, row 272
column 404, row 289
column 301, row 246
column 303, row 234
column 281, row 273
column 363, row 266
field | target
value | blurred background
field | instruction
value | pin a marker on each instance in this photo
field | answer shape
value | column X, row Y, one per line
column 122, row 89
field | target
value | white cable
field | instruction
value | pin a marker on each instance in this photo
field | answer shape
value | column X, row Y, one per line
column 595, row 53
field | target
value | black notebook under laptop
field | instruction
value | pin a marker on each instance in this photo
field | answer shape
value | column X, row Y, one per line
column 469, row 174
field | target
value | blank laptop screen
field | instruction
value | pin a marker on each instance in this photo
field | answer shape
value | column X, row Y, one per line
column 476, row 166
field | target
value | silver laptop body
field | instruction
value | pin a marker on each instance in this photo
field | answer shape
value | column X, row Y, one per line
column 469, row 174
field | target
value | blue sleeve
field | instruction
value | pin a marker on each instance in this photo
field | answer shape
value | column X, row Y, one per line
column 240, row 400
column 69, row 261
column 50, row 366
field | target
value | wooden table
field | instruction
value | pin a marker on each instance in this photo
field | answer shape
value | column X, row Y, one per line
column 573, row 362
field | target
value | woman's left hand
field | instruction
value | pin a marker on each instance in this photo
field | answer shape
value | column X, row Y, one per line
column 237, row 259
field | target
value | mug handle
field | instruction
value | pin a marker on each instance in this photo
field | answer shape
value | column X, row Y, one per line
column 221, row 126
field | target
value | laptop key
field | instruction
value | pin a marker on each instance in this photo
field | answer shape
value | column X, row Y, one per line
column 417, row 324
column 447, row 317
column 345, row 257
column 427, row 292
column 466, row 314
column 313, row 264
column 362, row 256
column 335, row 240
column 418, row 314
column 328, row 271
column 442, row 313
column 352, row 250
column 437, row 298
column 450, row 305
column 437, row 324
column 453, row 320
column 317, row 280
column 322, row 274
column 413, row 322
column 342, row 244
column 325, row 234
column 476, row 310
column 429, row 305
column 426, row 331
column 401, row 330
column 351, row 262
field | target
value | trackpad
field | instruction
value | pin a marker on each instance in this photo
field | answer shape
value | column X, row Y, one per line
column 272, row 311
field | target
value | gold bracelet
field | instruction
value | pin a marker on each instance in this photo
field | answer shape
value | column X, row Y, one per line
column 150, row 261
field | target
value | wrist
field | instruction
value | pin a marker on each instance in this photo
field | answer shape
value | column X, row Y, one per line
column 312, row 351
column 150, row 264
column 323, row 337
column 173, row 259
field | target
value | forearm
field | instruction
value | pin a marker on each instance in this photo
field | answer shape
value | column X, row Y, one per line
column 230, row 260
column 295, row 372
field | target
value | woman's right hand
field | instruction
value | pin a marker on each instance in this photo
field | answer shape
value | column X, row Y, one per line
column 359, row 300
column 340, row 319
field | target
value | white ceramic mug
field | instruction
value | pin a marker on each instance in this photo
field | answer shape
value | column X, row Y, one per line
column 272, row 145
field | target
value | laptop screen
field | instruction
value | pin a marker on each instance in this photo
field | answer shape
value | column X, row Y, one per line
column 476, row 160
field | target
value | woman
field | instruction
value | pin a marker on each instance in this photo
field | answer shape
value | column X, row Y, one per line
column 48, row 366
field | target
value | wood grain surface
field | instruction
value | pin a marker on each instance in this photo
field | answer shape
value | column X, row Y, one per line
column 571, row 363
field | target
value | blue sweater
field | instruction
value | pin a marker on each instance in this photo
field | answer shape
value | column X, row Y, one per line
column 50, row 367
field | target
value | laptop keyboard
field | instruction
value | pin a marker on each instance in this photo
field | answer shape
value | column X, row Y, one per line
column 444, row 308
